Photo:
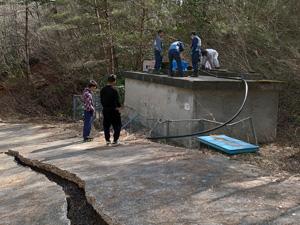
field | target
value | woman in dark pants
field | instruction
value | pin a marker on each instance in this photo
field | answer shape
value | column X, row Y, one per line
column 89, row 109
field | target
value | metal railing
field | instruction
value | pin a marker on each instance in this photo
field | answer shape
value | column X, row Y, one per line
column 78, row 109
column 243, row 129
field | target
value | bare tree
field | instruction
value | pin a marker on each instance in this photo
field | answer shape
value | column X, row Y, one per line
column 112, row 68
column 140, row 57
column 108, row 68
column 26, row 40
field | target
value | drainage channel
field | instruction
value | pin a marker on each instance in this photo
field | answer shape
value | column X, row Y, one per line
column 80, row 212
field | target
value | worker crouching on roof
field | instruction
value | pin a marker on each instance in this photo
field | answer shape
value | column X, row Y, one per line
column 174, row 53
column 158, row 51
column 110, row 101
column 210, row 59
column 89, row 109
column 196, row 51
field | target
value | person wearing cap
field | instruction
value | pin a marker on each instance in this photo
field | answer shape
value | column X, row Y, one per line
column 89, row 109
column 110, row 101
column 174, row 53
column 196, row 50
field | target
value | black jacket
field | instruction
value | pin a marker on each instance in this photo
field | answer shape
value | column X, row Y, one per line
column 110, row 97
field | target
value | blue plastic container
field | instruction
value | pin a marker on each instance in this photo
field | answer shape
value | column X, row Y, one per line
column 228, row 145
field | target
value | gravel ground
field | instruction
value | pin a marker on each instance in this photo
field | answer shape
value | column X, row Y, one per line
column 275, row 157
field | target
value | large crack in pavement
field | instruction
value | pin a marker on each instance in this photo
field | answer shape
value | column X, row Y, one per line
column 80, row 211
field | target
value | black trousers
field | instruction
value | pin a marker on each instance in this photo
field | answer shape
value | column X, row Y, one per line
column 111, row 117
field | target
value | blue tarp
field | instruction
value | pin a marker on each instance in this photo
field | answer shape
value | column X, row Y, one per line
column 184, row 64
column 227, row 144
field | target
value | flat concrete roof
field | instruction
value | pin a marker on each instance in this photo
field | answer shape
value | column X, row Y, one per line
column 202, row 82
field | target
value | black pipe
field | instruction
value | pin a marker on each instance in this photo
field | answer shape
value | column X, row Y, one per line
column 217, row 127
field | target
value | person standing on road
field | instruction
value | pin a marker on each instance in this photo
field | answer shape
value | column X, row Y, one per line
column 196, row 50
column 110, row 101
column 89, row 109
column 158, row 51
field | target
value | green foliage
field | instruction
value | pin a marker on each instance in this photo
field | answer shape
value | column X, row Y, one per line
column 79, row 36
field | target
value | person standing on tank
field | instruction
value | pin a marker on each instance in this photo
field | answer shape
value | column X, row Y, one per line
column 158, row 51
column 175, row 50
column 196, row 51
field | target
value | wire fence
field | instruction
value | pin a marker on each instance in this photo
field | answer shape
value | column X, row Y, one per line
column 242, row 129
column 152, row 127
column 78, row 109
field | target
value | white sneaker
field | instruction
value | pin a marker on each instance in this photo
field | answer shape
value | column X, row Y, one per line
column 108, row 143
column 115, row 143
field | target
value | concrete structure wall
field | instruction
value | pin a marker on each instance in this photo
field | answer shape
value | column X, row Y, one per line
column 160, row 97
column 220, row 105
column 159, row 101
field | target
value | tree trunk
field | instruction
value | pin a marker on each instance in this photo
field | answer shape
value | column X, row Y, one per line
column 27, row 41
column 112, row 68
column 101, row 31
column 139, row 62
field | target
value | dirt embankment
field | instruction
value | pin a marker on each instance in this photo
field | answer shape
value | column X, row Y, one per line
column 47, row 92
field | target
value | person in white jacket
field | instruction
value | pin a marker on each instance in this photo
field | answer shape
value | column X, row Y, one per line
column 209, row 59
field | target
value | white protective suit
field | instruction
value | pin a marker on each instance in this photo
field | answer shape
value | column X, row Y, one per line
column 211, row 60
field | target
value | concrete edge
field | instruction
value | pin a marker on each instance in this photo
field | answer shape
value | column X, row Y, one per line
column 65, row 218
column 68, row 176
column 200, row 84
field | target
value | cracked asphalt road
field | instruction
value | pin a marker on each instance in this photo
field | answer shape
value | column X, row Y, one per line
column 28, row 198
column 143, row 183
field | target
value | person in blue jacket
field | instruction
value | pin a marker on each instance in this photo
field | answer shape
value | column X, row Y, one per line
column 174, row 53
column 158, row 50
column 196, row 50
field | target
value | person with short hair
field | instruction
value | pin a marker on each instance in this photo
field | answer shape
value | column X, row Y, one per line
column 89, row 109
column 110, row 101
column 158, row 50
column 174, row 53
column 196, row 50
column 210, row 59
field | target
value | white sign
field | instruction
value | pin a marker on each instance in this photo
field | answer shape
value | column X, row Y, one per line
column 187, row 106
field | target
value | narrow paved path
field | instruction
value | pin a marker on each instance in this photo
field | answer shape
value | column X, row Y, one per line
column 143, row 183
